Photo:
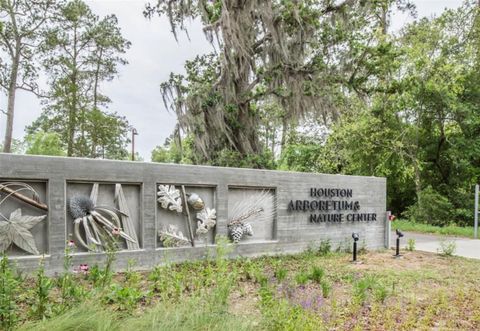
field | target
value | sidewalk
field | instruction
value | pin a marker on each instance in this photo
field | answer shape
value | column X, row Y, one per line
column 431, row 243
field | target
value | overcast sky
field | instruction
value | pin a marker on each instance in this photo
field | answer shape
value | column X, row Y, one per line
column 153, row 55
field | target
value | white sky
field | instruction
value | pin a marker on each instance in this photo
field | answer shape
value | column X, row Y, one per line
column 153, row 55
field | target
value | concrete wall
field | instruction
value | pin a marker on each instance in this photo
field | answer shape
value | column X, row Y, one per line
column 286, row 231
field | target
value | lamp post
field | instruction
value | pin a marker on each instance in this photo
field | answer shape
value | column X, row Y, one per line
column 134, row 133
column 355, row 237
column 397, row 248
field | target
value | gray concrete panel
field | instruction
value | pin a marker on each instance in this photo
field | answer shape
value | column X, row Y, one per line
column 288, row 231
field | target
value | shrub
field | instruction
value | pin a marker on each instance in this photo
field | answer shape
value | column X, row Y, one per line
column 411, row 245
column 447, row 247
column 41, row 308
column 431, row 208
column 380, row 293
column 302, row 278
column 9, row 287
column 325, row 247
column 366, row 285
column 126, row 297
column 280, row 273
column 326, row 288
column 317, row 274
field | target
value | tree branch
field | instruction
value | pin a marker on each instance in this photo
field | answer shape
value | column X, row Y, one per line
column 340, row 6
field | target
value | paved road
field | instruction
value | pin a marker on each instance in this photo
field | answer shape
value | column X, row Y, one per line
column 431, row 243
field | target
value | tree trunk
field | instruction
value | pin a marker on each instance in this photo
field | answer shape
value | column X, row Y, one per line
column 73, row 106
column 97, row 74
column 12, row 89
column 178, row 141
column 247, row 141
column 283, row 140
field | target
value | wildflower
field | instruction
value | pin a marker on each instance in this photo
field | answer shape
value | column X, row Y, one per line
column 71, row 244
column 84, row 268
column 116, row 231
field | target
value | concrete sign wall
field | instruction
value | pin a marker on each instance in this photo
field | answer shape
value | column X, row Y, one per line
column 161, row 211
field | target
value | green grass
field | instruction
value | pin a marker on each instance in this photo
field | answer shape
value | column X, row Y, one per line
column 451, row 230
column 190, row 314
column 421, row 291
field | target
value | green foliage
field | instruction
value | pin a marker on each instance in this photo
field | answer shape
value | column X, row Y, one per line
column 173, row 150
column 17, row 146
column 410, row 244
column 9, row 289
column 192, row 314
column 431, row 208
column 447, row 247
column 83, row 51
column 380, row 293
column 42, row 305
column 302, row 278
column 453, row 230
column 362, row 287
column 125, row 297
column 70, row 291
column 416, row 124
column 277, row 314
column 300, row 157
column 326, row 288
column 280, row 273
column 224, row 278
column 325, row 247
column 215, row 295
column 345, row 246
column 367, row 286
column 44, row 143
column 102, row 277
column 317, row 274
column 238, row 105
column 23, row 24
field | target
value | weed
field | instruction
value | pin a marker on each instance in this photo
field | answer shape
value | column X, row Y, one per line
column 224, row 277
column 111, row 251
column 8, row 290
column 366, row 285
column 447, row 247
column 451, row 230
column 309, row 252
column 326, row 288
column 103, row 277
column 280, row 273
column 317, row 274
column 302, row 278
column 41, row 308
column 155, row 276
column 126, row 297
column 345, row 246
column 363, row 247
column 132, row 277
column 361, row 288
column 411, row 245
column 380, row 293
column 70, row 291
column 278, row 314
column 325, row 247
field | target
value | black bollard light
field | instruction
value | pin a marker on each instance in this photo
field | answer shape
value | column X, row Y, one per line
column 355, row 237
column 397, row 249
